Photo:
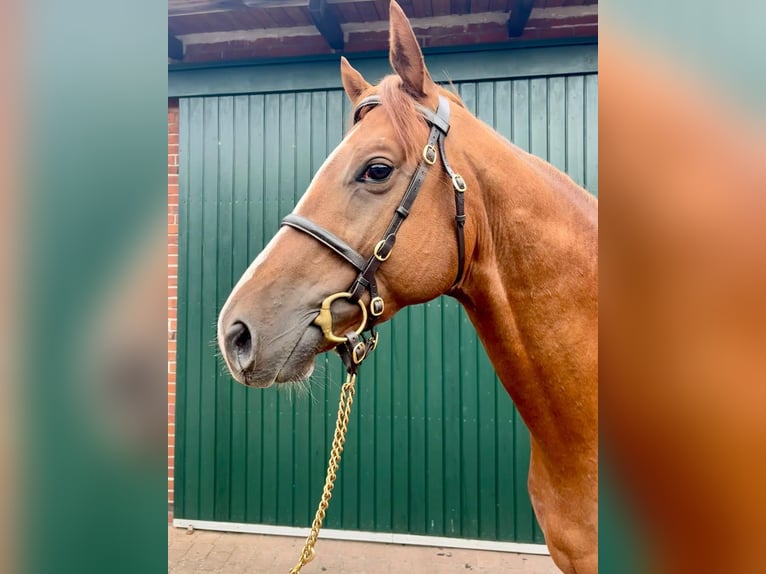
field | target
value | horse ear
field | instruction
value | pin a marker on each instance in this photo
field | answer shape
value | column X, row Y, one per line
column 405, row 55
column 353, row 82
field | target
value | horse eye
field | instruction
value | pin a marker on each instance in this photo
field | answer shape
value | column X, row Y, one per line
column 376, row 172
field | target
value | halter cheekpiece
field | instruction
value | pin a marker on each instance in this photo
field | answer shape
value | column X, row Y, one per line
column 353, row 347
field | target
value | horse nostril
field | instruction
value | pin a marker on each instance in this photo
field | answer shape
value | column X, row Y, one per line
column 240, row 343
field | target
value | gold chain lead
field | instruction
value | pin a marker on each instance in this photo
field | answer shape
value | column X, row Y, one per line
column 338, row 440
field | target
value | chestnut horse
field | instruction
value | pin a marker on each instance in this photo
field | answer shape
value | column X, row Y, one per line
column 526, row 266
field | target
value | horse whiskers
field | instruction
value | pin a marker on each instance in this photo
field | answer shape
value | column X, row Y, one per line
column 224, row 369
column 302, row 387
column 316, row 381
column 298, row 387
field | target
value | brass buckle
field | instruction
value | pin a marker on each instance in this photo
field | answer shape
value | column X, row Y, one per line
column 378, row 246
column 376, row 306
column 324, row 319
column 359, row 352
column 459, row 183
column 373, row 342
column 429, row 154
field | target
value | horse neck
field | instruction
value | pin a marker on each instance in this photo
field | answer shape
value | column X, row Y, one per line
column 531, row 286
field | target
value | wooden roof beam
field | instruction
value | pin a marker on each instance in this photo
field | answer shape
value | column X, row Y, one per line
column 175, row 48
column 517, row 21
column 327, row 23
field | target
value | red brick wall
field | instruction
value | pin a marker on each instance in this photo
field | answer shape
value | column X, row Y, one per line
column 172, row 285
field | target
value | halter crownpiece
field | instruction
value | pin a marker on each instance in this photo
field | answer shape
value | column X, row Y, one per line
column 354, row 347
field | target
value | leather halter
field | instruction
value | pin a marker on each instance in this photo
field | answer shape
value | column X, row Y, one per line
column 353, row 347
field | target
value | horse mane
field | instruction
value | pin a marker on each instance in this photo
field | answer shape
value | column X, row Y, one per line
column 409, row 126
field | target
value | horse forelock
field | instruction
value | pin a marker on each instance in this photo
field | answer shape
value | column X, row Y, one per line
column 409, row 126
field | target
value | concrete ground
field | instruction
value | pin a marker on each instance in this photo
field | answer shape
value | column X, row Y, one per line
column 233, row 553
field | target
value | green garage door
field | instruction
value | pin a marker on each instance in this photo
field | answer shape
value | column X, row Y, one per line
column 435, row 445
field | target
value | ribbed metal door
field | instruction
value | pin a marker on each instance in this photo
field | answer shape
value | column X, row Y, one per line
column 435, row 445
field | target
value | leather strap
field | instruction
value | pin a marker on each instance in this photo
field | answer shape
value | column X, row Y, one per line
column 459, row 212
column 440, row 120
column 369, row 101
column 323, row 236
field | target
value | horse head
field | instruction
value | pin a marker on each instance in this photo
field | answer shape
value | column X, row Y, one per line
column 266, row 329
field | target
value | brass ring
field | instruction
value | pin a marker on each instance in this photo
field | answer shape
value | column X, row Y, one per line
column 324, row 319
